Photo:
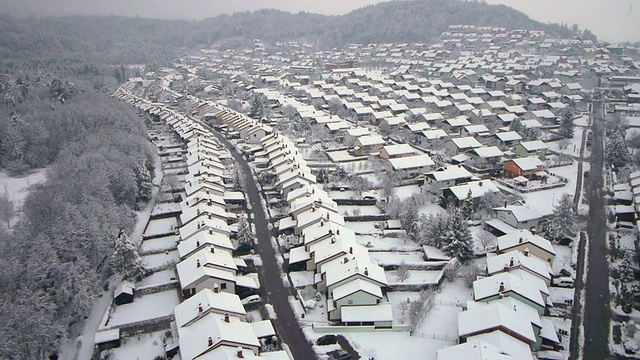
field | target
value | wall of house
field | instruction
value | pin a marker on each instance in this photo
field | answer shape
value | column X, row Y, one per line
column 534, row 250
column 358, row 298
column 207, row 283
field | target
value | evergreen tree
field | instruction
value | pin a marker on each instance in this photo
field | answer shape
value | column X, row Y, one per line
column 126, row 260
column 458, row 240
column 566, row 124
column 563, row 221
column 616, row 150
column 245, row 235
column 145, row 184
column 257, row 107
column 467, row 206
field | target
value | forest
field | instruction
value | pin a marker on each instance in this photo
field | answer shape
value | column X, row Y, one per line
column 99, row 165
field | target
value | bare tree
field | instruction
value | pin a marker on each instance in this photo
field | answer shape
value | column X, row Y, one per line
column 486, row 240
column 403, row 272
column 470, row 274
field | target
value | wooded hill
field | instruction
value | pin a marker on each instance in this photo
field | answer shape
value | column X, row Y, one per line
column 116, row 40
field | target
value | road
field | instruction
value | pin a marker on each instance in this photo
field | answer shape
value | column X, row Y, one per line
column 273, row 290
column 597, row 313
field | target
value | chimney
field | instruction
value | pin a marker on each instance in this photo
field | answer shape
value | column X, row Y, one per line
column 333, row 240
column 239, row 353
column 213, row 250
column 501, row 288
column 480, row 184
column 366, row 271
column 198, row 263
column 533, row 231
column 226, row 318
column 210, row 341
column 216, row 289
column 337, row 231
column 200, row 308
column 321, row 223
column 350, row 249
column 526, row 252
column 511, row 262
column 520, row 241
column 346, row 260
column 197, row 243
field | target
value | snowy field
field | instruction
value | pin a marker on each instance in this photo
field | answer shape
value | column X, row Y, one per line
column 416, row 277
column 164, row 208
column 147, row 307
column 396, row 258
column 158, row 278
column 145, row 346
column 17, row 188
column 386, row 243
column 363, row 227
column 345, row 210
column 158, row 260
column 159, row 244
column 161, row 226
column 302, row 278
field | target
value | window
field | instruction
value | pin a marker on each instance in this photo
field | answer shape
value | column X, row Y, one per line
column 223, row 286
column 350, row 302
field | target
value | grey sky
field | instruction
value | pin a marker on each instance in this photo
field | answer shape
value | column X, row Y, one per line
column 612, row 20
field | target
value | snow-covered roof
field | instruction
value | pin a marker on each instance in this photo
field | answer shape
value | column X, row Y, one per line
column 473, row 350
column 529, row 163
column 524, row 236
column 399, row 149
column 516, row 259
column 367, row 313
column 369, row 140
column 411, row 162
column 488, row 151
column 450, row 173
column 519, row 282
column 354, row 286
column 508, row 136
column 478, row 189
column 506, row 343
column 494, row 316
column 206, row 301
column 534, row 145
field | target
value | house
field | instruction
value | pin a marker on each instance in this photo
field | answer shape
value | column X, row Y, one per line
column 461, row 144
column 495, row 317
column 526, row 167
column 519, row 284
column 366, row 145
column 397, row 151
column 446, row 177
column 212, row 225
column 478, row 189
column 207, row 268
column 520, row 216
column 206, row 302
column 430, row 138
column 212, row 332
column 204, row 240
column 473, row 350
column 354, row 293
column 350, row 135
column 528, row 148
column 379, row 316
column 527, row 242
column 411, row 166
column 516, row 259
column 508, row 139
column 123, row 294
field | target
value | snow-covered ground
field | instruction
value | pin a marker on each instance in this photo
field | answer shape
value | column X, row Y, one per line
column 144, row 346
column 161, row 226
column 158, row 244
column 302, row 278
column 545, row 200
column 17, row 188
column 358, row 210
column 395, row 258
column 386, row 243
column 158, row 260
column 147, row 307
column 416, row 277
column 158, row 278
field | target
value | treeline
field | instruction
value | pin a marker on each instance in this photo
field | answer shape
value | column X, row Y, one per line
column 77, row 43
column 54, row 260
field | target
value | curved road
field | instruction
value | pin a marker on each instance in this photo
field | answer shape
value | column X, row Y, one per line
column 273, row 289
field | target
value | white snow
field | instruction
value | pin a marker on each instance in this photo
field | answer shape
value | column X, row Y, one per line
column 158, row 260
column 147, row 307
column 302, row 278
column 270, row 311
column 162, row 243
column 417, row 277
column 158, row 278
column 362, row 210
column 161, row 226
column 144, row 346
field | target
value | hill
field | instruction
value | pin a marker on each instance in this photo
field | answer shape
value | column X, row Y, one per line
column 75, row 41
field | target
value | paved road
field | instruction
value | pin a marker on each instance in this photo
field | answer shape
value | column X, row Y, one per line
column 597, row 314
column 273, row 289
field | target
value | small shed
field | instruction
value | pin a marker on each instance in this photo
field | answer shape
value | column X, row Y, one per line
column 124, row 293
column 106, row 340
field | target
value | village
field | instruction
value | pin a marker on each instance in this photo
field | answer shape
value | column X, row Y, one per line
column 391, row 200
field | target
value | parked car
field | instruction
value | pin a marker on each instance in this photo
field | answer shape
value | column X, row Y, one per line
column 339, row 355
column 252, row 299
column 327, row 340
column 245, row 292
column 563, row 282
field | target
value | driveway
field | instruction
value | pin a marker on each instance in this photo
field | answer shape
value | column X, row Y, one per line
column 272, row 287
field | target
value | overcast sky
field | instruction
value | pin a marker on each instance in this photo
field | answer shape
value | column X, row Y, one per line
column 612, row 20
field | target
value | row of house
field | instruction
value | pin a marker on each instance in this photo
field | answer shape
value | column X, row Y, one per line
column 211, row 322
column 508, row 317
column 354, row 285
